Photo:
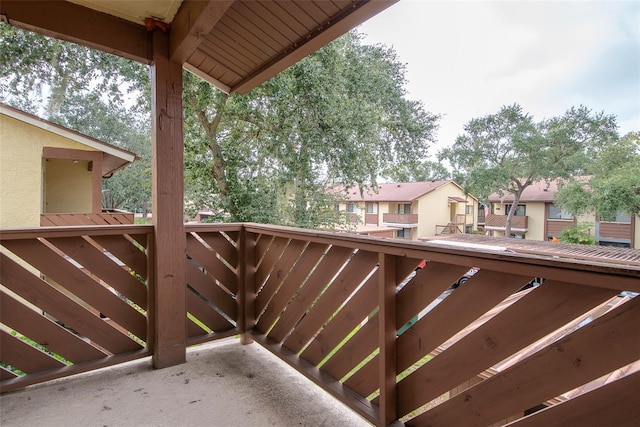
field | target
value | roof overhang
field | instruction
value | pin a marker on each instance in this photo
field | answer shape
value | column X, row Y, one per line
column 114, row 157
column 234, row 44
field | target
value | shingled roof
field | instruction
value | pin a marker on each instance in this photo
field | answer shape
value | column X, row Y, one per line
column 539, row 191
column 394, row 191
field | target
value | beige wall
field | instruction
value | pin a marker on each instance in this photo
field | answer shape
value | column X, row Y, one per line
column 636, row 237
column 434, row 209
column 21, row 148
column 535, row 228
column 67, row 186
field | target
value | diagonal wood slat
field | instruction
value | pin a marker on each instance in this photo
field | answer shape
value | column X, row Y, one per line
column 360, row 265
column 523, row 322
column 222, row 247
column 206, row 259
column 45, row 332
column 126, row 251
column 203, row 284
column 50, row 300
column 99, row 264
column 607, row 343
column 25, row 357
column 269, row 258
column 83, row 286
column 327, row 268
column 278, row 274
column 206, row 314
column 292, row 284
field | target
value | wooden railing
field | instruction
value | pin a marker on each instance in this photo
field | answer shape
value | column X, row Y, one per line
column 330, row 305
column 392, row 218
column 72, row 219
column 500, row 221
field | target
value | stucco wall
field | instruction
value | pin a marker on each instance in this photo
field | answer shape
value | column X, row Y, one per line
column 636, row 237
column 67, row 186
column 433, row 209
column 21, row 147
column 535, row 227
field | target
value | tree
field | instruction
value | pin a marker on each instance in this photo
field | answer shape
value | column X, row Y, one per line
column 613, row 184
column 97, row 94
column 416, row 171
column 339, row 115
column 508, row 151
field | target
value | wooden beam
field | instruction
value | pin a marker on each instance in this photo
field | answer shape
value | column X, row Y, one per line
column 387, row 283
column 246, row 295
column 74, row 23
column 194, row 20
column 358, row 12
column 167, row 194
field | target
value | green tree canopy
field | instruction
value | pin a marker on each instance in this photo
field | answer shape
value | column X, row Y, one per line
column 339, row 115
column 508, row 151
column 613, row 182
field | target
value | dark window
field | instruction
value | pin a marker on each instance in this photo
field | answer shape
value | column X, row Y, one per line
column 556, row 212
column 469, row 210
column 404, row 208
column 617, row 217
column 352, row 207
column 405, row 233
column 371, row 208
column 520, row 211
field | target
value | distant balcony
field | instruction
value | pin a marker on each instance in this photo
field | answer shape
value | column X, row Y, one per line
column 103, row 218
column 499, row 222
column 400, row 219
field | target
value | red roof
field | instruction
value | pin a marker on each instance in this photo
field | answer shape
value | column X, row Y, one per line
column 395, row 191
column 539, row 191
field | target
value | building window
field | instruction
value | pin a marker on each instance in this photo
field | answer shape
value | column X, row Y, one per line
column 372, row 208
column 336, row 207
column 520, row 211
column 617, row 217
column 404, row 208
column 468, row 229
column 555, row 212
column 469, row 210
column 405, row 233
column 352, row 207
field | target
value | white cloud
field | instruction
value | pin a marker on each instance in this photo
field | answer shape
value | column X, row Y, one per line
column 467, row 59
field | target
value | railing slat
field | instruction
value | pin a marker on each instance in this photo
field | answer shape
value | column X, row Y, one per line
column 222, row 247
column 53, row 302
column 86, row 288
column 207, row 259
column 23, row 356
column 324, row 272
column 99, row 264
column 292, row 284
column 207, row 287
column 525, row 321
column 126, row 251
column 615, row 404
column 278, row 274
column 607, row 343
column 356, row 270
column 204, row 313
column 45, row 332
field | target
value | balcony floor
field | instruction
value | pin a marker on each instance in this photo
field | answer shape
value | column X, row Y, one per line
column 222, row 384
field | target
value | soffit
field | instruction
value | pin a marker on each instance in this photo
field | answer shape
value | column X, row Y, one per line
column 234, row 44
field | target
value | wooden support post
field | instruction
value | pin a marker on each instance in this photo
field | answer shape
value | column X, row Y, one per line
column 168, row 218
column 387, row 282
column 246, row 285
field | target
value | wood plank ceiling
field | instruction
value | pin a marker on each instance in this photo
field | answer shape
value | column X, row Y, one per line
column 234, row 44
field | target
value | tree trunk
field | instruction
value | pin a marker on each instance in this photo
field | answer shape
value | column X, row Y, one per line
column 512, row 212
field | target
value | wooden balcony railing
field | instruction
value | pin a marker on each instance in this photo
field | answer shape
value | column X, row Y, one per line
column 330, row 305
column 68, row 219
column 392, row 218
column 500, row 221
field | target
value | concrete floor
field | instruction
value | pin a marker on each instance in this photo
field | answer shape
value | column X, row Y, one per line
column 222, row 384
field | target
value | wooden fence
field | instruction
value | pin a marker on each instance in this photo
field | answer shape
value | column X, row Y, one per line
column 351, row 313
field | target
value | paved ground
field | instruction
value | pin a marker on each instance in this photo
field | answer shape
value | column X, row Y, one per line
column 222, row 384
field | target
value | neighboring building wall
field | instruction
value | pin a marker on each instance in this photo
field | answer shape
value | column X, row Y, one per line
column 60, row 176
column 636, row 234
column 21, row 146
column 537, row 216
column 434, row 209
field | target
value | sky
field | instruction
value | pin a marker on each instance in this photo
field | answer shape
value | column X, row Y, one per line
column 466, row 59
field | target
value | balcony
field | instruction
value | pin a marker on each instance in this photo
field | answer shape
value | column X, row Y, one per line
column 329, row 305
column 519, row 224
column 400, row 220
